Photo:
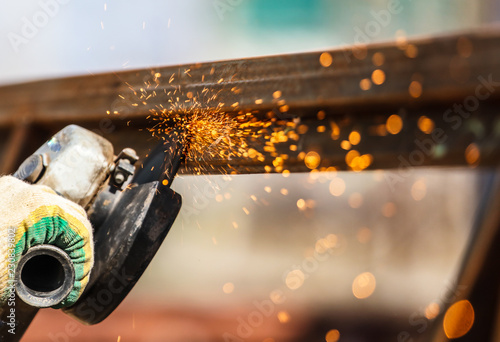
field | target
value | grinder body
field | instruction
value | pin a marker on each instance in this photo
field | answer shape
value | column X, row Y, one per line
column 131, row 212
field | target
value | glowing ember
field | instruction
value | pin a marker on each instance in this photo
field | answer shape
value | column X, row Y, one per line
column 216, row 136
column 389, row 209
column 419, row 190
column 283, row 316
column 425, row 124
column 472, row 154
column 411, row 51
column 432, row 310
column 295, row 279
column 228, row 288
column 458, row 319
column 378, row 59
column 365, row 84
column 355, row 200
column 363, row 285
column 325, row 59
column 354, row 138
column 394, row 124
column 198, row 121
column 332, row 335
column 312, row 160
column 337, row 187
column 415, row 89
column 378, row 77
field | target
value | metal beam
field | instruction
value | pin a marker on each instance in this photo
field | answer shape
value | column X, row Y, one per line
column 357, row 88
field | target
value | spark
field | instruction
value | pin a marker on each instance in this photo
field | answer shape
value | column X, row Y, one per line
column 198, row 119
column 216, row 135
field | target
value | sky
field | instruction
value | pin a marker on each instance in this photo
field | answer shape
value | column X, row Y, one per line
column 54, row 38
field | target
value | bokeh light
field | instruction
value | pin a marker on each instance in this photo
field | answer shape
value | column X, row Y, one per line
column 394, row 124
column 363, row 285
column 458, row 319
column 332, row 335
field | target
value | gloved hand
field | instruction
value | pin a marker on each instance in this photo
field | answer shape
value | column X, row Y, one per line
column 31, row 215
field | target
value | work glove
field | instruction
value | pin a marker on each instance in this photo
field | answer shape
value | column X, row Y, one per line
column 32, row 215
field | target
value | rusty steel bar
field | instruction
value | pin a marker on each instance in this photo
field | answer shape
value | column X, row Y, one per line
column 452, row 80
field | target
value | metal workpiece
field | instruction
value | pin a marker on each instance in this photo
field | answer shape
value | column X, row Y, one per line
column 453, row 80
column 447, row 66
column 45, row 276
column 325, row 139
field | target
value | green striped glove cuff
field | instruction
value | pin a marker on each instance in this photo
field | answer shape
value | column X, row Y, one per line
column 32, row 215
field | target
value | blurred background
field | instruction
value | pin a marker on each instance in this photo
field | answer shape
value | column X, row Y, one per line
column 300, row 257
